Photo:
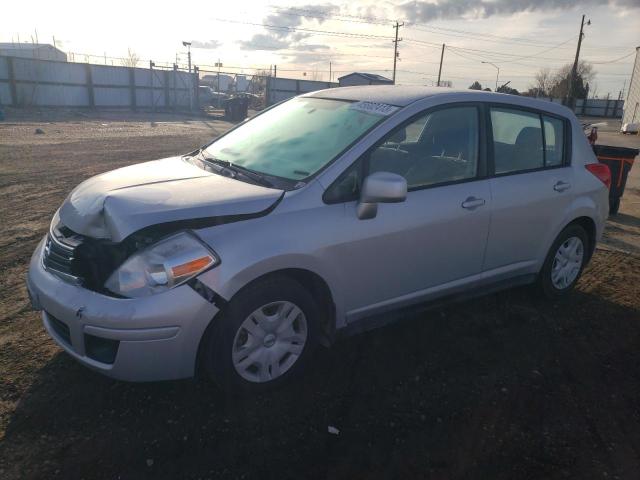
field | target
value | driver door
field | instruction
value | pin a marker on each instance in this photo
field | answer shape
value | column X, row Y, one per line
column 436, row 238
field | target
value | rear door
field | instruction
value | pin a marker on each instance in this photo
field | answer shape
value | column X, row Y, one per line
column 438, row 235
column 531, row 186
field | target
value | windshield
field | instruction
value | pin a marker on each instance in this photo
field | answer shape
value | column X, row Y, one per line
column 295, row 139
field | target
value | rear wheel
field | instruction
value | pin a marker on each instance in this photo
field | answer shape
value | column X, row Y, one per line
column 564, row 263
column 264, row 337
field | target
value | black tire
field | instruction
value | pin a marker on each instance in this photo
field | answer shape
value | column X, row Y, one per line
column 220, row 337
column 545, row 282
column 614, row 205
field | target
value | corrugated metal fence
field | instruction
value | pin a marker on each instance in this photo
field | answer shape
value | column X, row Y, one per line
column 596, row 107
column 279, row 89
column 43, row 83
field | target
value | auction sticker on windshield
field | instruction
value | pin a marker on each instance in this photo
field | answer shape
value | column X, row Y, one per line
column 373, row 107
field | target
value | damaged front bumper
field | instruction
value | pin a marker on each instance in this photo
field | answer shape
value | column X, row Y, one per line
column 141, row 339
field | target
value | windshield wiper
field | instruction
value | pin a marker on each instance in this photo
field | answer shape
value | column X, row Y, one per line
column 247, row 172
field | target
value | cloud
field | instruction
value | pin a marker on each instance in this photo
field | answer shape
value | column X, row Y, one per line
column 261, row 41
column 308, row 58
column 287, row 19
column 208, row 44
column 309, row 47
column 425, row 11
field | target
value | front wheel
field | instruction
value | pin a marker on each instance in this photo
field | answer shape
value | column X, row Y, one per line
column 564, row 263
column 264, row 337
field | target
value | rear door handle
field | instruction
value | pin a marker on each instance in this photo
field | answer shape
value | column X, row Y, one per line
column 472, row 203
column 561, row 186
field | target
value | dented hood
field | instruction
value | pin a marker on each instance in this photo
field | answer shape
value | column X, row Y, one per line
column 118, row 203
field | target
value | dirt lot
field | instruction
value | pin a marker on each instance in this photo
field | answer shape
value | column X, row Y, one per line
column 504, row 387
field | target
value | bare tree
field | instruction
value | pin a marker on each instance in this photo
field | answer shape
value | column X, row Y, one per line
column 543, row 81
column 585, row 71
column 131, row 60
column 584, row 75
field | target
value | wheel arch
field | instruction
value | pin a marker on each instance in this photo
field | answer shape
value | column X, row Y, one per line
column 312, row 282
column 589, row 226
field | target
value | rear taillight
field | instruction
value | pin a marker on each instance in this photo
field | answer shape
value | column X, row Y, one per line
column 601, row 171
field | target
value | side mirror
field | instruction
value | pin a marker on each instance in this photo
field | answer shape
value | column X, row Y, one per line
column 380, row 187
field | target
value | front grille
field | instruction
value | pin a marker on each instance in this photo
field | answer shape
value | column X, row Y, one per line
column 61, row 328
column 59, row 253
column 57, row 257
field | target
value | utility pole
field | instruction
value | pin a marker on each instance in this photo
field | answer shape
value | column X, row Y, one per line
column 218, row 64
column 329, row 71
column 395, row 49
column 574, row 70
column 275, row 71
column 188, row 45
column 440, row 69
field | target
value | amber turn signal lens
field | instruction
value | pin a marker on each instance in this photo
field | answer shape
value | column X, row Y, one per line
column 191, row 267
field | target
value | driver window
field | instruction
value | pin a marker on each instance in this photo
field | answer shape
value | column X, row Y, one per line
column 438, row 147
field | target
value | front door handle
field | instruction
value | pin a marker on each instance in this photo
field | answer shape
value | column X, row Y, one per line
column 561, row 186
column 472, row 203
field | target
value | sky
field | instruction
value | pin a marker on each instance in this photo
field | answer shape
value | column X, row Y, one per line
column 304, row 37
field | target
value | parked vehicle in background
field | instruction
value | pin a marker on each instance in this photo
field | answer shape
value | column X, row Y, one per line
column 209, row 97
column 314, row 217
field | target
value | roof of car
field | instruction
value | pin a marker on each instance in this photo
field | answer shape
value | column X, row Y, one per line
column 402, row 96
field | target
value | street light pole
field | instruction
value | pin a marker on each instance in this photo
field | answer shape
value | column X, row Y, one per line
column 497, row 73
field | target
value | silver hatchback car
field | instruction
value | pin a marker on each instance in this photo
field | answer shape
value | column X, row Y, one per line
column 320, row 215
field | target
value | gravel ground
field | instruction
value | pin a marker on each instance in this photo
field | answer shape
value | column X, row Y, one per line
column 503, row 387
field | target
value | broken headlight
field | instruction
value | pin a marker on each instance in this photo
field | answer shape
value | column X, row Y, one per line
column 161, row 266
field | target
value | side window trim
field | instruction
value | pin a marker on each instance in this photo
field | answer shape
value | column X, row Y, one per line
column 566, row 154
column 566, row 150
column 482, row 170
column 544, row 141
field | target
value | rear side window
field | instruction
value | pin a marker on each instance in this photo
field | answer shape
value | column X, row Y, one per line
column 554, row 141
column 517, row 140
column 526, row 140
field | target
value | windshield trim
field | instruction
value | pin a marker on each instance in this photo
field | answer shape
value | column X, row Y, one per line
column 299, row 183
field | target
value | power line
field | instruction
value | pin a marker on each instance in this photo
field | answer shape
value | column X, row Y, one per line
column 317, row 14
column 477, row 36
column 510, row 57
column 427, row 27
column 306, row 30
column 616, row 60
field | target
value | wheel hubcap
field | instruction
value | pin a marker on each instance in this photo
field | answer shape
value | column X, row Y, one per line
column 567, row 263
column 269, row 341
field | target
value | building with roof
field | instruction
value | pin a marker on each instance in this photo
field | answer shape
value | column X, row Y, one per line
column 359, row 78
column 632, row 102
column 224, row 84
column 38, row 51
